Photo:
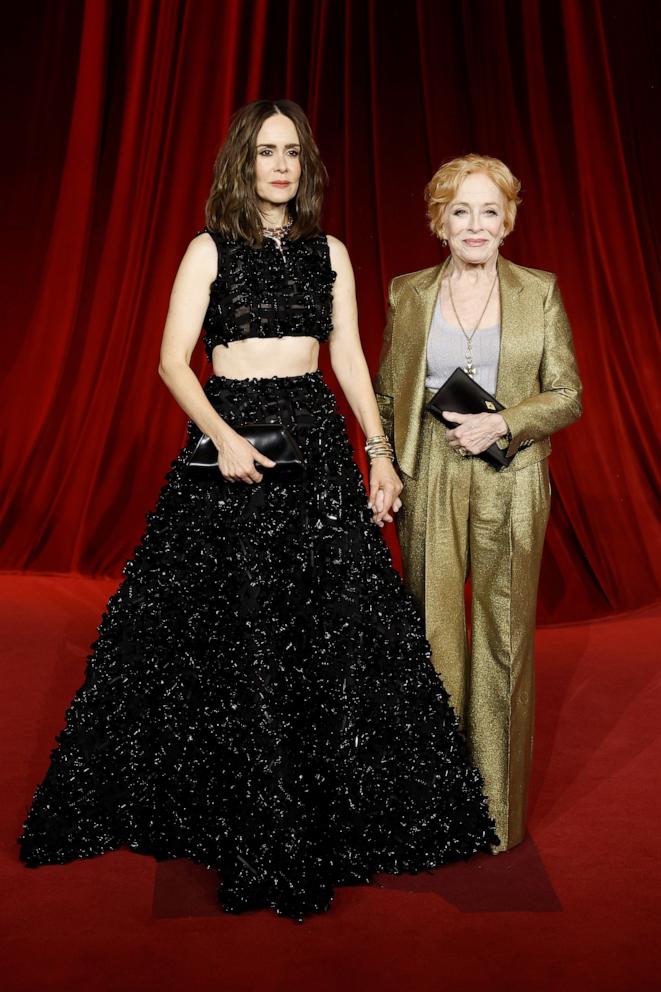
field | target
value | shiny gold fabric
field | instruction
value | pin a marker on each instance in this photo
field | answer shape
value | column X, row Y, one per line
column 462, row 518
column 537, row 382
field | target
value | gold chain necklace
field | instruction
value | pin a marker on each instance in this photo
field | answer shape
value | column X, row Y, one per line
column 470, row 368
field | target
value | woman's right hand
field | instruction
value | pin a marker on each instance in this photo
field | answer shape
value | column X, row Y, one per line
column 384, row 490
column 237, row 458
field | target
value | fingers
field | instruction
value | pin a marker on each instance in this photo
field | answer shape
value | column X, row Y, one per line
column 374, row 488
column 241, row 469
column 386, row 503
column 240, row 461
column 237, row 473
column 457, row 418
column 466, row 422
column 471, row 444
column 462, row 443
column 381, row 520
column 254, row 475
column 384, row 489
column 460, row 437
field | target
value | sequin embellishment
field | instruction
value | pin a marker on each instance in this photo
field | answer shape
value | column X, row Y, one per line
column 270, row 291
column 260, row 697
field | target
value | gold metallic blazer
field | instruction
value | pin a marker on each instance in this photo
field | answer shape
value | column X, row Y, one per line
column 538, row 380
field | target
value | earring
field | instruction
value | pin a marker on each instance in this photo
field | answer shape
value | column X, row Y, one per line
column 444, row 242
column 502, row 242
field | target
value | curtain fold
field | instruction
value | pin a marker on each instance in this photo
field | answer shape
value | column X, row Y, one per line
column 113, row 133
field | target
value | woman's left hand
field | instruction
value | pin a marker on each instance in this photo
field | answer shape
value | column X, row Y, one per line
column 385, row 487
column 476, row 431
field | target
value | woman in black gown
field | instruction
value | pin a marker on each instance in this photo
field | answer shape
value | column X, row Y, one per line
column 260, row 697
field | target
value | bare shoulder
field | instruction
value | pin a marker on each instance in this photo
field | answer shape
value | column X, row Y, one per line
column 340, row 263
column 337, row 251
column 202, row 246
column 201, row 257
column 334, row 243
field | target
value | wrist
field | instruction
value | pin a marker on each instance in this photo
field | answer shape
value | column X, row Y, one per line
column 220, row 434
column 503, row 429
column 378, row 446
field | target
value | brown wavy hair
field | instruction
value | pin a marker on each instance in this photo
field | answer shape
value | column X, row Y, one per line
column 232, row 205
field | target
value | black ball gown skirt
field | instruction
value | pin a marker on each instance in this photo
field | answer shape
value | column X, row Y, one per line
column 260, row 698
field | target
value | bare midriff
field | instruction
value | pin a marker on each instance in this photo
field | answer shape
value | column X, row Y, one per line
column 262, row 358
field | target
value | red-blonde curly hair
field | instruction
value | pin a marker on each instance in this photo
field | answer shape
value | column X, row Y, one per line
column 443, row 185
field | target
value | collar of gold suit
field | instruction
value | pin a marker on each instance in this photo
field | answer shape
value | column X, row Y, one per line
column 514, row 326
column 429, row 279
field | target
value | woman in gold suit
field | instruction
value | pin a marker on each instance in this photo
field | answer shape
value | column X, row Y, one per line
column 505, row 325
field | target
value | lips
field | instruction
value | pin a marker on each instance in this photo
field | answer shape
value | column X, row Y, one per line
column 282, row 184
column 475, row 242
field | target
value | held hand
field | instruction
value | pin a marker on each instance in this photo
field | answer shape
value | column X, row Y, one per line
column 237, row 458
column 385, row 487
column 476, row 431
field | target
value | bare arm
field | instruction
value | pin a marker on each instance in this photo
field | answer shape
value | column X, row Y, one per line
column 349, row 365
column 188, row 304
column 383, row 381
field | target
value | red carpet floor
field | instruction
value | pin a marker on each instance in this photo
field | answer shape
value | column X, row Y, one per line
column 577, row 906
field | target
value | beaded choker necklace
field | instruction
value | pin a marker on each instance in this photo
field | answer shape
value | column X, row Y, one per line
column 278, row 234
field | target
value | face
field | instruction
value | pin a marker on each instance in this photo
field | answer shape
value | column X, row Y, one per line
column 278, row 161
column 474, row 221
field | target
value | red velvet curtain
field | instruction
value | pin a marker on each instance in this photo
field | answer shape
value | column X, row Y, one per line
column 113, row 113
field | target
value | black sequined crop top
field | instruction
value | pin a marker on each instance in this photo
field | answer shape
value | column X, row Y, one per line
column 265, row 292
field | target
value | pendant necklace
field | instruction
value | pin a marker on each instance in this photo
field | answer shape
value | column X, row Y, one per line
column 278, row 234
column 470, row 368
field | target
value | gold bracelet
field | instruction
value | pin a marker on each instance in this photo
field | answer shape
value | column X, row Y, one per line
column 379, row 446
column 376, row 439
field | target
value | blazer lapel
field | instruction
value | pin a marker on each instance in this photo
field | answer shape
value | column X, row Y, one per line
column 410, row 331
column 513, row 331
column 521, row 338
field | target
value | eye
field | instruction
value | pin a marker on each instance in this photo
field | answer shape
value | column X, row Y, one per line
column 294, row 152
column 265, row 151
column 458, row 210
column 494, row 213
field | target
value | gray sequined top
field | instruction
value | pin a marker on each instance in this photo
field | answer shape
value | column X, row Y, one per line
column 446, row 351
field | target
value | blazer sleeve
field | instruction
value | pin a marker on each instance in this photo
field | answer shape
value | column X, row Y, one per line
column 558, row 403
column 383, row 382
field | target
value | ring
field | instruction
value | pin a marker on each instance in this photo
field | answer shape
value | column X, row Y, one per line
column 462, row 452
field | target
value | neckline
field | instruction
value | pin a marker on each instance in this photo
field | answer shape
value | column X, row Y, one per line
column 453, row 327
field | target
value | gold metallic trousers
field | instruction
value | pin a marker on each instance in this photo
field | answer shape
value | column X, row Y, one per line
column 461, row 519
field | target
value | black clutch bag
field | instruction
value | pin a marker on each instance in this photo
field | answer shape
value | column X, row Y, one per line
column 272, row 440
column 461, row 394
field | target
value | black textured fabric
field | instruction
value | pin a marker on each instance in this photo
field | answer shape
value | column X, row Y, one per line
column 260, row 697
column 269, row 292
